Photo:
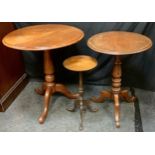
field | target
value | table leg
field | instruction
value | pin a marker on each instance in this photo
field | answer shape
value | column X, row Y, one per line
column 124, row 95
column 105, row 94
column 49, row 87
column 63, row 90
column 46, row 105
column 116, row 88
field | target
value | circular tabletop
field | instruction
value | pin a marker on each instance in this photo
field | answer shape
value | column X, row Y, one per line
column 80, row 63
column 119, row 43
column 43, row 37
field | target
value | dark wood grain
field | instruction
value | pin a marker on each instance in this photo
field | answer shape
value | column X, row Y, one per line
column 11, row 63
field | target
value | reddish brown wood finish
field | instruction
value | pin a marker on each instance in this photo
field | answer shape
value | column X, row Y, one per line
column 79, row 64
column 49, row 87
column 11, row 66
column 44, row 38
column 118, row 43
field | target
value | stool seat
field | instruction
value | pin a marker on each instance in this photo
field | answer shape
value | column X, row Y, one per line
column 80, row 63
column 119, row 43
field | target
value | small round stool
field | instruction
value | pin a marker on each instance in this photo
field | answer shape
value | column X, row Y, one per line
column 79, row 64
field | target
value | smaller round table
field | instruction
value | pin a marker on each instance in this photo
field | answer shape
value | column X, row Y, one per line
column 81, row 63
column 45, row 38
column 118, row 43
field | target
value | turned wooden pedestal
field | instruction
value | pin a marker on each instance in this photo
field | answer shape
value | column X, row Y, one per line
column 45, row 38
column 118, row 43
column 49, row 87
column 80, row 64
column 116, row 92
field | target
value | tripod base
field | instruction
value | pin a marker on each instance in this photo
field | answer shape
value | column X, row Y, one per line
column 122, row 95
column 47, row 90
column 83, row 105
column 86, row 105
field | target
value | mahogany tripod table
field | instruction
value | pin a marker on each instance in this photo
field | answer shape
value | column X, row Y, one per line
column 118, row 43
column 45, row 38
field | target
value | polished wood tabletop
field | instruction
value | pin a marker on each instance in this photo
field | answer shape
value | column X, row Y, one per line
column 119, row 42
column 80, row 63
column 43, row 37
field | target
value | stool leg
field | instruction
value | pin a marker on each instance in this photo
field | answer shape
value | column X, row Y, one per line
column 40, row 91
column 88, row 104
column 81, row 115
column 81, row 92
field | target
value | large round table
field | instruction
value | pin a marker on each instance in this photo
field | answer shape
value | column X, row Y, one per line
column 45, row 38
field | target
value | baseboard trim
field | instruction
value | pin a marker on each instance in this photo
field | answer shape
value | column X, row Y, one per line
column 13, row 92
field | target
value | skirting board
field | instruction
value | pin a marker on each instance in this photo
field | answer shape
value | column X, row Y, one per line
column 13, row 92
